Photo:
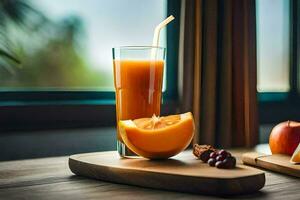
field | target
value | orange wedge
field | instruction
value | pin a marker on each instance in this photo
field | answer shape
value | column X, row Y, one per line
column 296, row 155
column 158, row 137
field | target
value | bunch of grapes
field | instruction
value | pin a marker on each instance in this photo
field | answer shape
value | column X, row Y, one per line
column 221, row 159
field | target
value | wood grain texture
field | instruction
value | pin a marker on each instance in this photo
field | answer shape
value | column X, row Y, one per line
column 50, row 178
column 183, row 173
column 278, row 163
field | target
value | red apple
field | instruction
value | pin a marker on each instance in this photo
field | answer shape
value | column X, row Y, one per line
column 285, row 138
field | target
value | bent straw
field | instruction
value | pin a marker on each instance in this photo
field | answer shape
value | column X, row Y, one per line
column 157, row 33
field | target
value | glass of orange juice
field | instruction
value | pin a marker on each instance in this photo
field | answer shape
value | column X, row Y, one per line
column 138, row 79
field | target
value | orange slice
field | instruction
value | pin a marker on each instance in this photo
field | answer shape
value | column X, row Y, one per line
column 296, row 155
column 158, row 137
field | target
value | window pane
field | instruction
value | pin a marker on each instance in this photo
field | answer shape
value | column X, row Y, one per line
column 67, row 44
column 273, row 29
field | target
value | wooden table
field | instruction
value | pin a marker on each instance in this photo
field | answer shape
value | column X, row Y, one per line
column 50, row 178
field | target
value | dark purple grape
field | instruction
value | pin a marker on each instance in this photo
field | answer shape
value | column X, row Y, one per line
column 205, row 155
column 223, row 153
column 220, row 158
column 220, row 164
column 230, row 162
column 213, row 155
column 211, row 162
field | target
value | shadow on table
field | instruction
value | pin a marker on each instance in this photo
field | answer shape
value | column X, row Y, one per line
column 254, row 195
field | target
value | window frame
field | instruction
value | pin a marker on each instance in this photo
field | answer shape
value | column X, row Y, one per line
column 34, row 109
column 275, row 107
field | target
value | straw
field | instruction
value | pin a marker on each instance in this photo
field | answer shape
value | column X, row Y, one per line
column 157, row 32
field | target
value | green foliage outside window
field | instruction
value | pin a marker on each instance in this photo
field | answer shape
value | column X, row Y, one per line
column 37, row 52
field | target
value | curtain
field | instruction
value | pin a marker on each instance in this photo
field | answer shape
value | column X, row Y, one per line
column 217, row 63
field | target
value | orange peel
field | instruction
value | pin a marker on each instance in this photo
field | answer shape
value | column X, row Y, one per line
column 158, row 137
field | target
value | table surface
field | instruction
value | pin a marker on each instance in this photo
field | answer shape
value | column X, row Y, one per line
column 50, row 178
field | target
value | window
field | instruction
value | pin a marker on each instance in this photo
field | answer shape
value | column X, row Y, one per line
column 65, row 76
column 67, row 45
column 273, row 44
column 278, row 62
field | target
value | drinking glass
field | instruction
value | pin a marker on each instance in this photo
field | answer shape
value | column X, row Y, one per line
column 138, row 79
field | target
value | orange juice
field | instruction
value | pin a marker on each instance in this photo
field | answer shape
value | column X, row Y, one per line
column 138, row 85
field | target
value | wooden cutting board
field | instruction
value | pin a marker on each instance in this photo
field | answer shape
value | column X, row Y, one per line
column 278, row 163
column 183, row 173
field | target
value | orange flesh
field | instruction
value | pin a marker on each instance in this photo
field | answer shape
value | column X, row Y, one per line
column 159, row 138
column 296, row 158
column 156, row 122
column 296, row 155
column 138, row 87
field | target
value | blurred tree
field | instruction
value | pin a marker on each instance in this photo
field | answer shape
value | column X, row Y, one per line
column 18, row 12
column 58, row 63
column 52, row 57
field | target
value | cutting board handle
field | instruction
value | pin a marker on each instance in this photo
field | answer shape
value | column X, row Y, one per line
column 252, row 158
column 277, row 163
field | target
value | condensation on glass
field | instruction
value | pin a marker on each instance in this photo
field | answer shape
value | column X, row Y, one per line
column 273, row 36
